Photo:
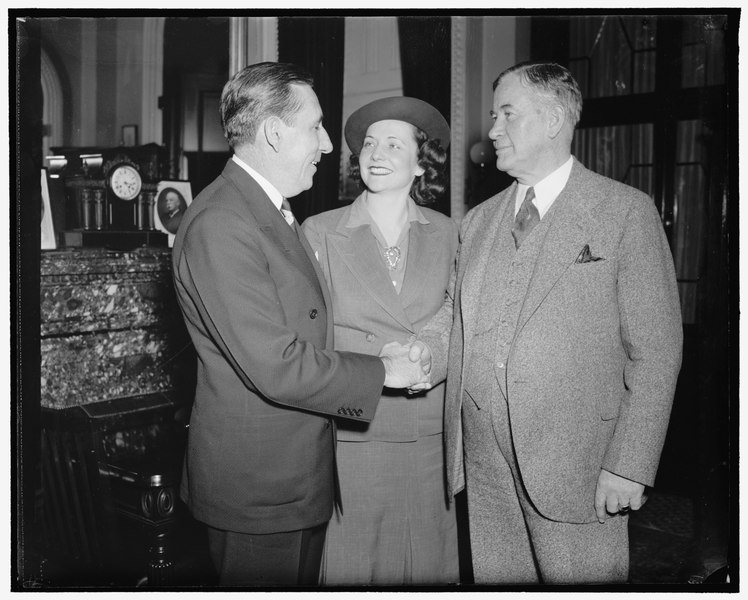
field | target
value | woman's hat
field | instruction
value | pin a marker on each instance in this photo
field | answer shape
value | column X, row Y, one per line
column 401, row 108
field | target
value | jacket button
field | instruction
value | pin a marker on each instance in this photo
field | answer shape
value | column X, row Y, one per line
column 370, row 337
column 313, row 313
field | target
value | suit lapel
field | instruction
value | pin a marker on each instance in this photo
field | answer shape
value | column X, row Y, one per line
column 320, row 278
column 566, row 237
column 291, row 244
column 358, row 249
column 478, row 261
column 421, row 257
column 271, row 222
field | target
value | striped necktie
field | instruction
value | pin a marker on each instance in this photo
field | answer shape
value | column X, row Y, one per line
column 286, row 212
column 527, row 217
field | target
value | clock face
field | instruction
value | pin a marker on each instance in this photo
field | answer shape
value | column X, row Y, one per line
column 125, row 182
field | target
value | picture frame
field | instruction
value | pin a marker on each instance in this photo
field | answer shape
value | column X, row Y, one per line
column 129, row 135
column 172, row 199
column 48, row 239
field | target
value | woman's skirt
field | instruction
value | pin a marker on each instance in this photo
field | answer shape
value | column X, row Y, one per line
column 396, row 527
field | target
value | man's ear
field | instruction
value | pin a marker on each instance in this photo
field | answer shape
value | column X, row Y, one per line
column 271, row 129
column 556, row 120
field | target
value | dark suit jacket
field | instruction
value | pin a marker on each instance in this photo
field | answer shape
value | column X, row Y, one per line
column 370, row 313
column 595, row 357
column 260, row 455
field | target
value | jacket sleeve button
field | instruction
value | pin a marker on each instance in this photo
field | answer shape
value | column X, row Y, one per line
column 313, row 313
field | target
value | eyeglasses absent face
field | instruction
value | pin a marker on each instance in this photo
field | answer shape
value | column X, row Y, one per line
column 389, row 156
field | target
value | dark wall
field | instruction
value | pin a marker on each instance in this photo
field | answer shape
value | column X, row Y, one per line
column 318, row 44
column 24, row 297
column 196, row 57
column 425, row 58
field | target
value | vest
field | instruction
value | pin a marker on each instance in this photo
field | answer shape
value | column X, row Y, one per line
column 503, row 291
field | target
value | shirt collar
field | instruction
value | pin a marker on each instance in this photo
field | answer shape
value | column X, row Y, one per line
column 360, row 216
column 547, row 189
column 275, row 196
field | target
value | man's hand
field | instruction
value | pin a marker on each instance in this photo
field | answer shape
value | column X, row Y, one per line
column 617, row 495
column 420, row 353
column 400, row 371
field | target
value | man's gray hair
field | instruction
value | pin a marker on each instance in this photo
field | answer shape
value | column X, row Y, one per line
column 257, row 92
column 552, row 82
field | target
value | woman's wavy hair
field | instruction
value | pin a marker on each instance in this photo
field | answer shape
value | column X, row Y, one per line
column 432, row 158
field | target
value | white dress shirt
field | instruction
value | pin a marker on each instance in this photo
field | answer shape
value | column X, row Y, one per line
column 546, row 190
column 275, row 196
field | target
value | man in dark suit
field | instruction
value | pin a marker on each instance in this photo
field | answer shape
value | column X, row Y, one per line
column 564, row 338
column 260, row 463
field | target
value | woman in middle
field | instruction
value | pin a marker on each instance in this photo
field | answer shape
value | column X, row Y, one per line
column 388, row 260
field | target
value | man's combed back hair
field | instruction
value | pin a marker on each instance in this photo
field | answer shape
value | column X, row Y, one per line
column 552, row 82
column 257, row 92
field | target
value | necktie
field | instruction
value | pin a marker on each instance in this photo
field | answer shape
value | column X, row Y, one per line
column 286, row 212
column 527, row 217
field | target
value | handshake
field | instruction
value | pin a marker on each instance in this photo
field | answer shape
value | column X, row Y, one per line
column 407, row 366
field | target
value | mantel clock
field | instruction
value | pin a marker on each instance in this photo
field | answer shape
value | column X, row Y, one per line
column 112, row 195
column 124, row 181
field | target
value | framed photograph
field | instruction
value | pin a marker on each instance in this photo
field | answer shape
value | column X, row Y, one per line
column 172, row 200
column 49, row 242
column 129, row 135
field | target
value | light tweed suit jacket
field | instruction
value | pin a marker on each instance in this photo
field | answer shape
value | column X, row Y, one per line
column 593, row 365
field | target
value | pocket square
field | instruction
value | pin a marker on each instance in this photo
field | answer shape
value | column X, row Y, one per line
column 585, row 255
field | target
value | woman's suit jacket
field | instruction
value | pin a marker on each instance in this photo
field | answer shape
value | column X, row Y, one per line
column 260, row 456
column 369, row 312
column 592, row 367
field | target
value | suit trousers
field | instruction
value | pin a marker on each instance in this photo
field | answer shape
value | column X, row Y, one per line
column 272, row 559
column 511, row 542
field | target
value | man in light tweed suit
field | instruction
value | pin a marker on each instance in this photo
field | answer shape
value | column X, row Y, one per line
column 561, row 343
